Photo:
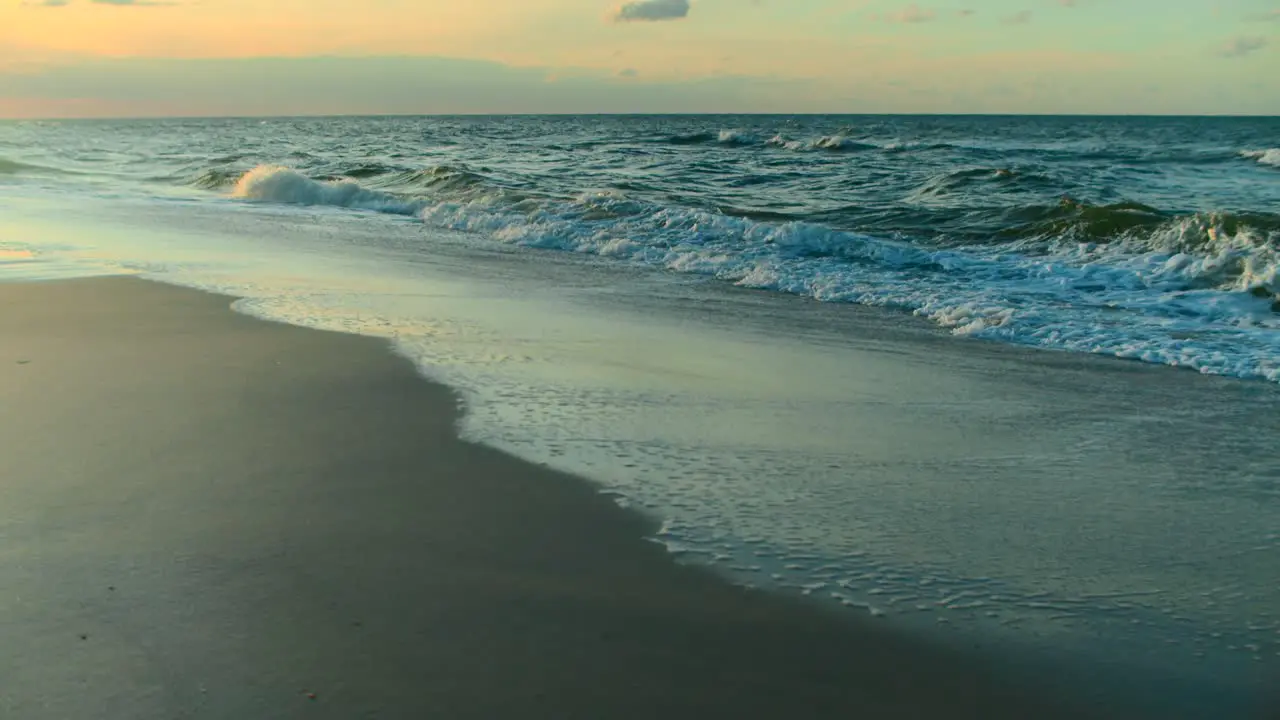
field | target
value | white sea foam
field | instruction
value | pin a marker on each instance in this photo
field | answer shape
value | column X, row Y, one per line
column 836, row 142
column 830, row 143
column 1192, row 293
column 280, row 184
column 790, row 456
column 809, row 479
column 1154, row 300
column 783, row 142
column 1266, row 157
column 735, row 137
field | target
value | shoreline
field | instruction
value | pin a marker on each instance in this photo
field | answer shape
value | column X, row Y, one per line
column 216, row 516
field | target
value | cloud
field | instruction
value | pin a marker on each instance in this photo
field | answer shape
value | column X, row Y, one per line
column 966, row 13
column 652, row 11
column 1268, row 16
column 399, row 85
column 1242, row 45
column 911, row 14
column 1095, row 82
column 1021, row 18
column 628, row 73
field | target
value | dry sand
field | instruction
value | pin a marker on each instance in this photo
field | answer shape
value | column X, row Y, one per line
column 204, row 515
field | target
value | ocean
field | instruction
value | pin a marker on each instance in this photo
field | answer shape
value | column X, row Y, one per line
column 1153, row 239
column 871, row 359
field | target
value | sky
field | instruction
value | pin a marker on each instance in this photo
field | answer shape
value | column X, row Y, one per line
column 134, row 58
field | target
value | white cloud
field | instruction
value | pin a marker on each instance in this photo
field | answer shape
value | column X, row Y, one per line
column 1021, row 18
column 652, row 10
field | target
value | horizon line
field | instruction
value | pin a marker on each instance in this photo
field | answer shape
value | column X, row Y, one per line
column 335, row 116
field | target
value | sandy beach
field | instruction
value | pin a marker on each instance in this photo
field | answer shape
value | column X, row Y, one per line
column 210, row 516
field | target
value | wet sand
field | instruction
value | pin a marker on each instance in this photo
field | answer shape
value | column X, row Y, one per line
column 203, row 515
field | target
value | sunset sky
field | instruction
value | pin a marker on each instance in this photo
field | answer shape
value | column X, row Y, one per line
column 258, row 57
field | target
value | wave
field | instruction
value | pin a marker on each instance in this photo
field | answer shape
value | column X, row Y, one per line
column 1202, row 251
column 838, row 142
column 1148, row 280
column 969, row 229
column 691, row 139
column 370, row 170
column 216, row 179
column 441, row 178
column 735, row 137
column 965, row 180
column 281, row 184
column 740, row 138
column 1072, row 221
column 899, row 147
column 1266, row 157
column 1077, row 221
column 827, row 143
column 272, row 183
column 13, row 167
column 1191, row 276
column 722, row 137
column 1069, row 228
column 843, row 141
column 1217, row 251
column 1127, row 155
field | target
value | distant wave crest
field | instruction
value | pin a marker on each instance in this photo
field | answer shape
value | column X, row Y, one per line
column 736, row 137
column 691, row 139
column 740, row 138
column 1266, row 157
column 828, row 143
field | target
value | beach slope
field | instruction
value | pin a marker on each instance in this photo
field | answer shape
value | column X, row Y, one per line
column 210, row 516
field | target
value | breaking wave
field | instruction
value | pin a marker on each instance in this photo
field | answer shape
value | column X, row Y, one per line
column 740, row 138
column 1064, row 279
column 828, row 143
column 280, row 184
column 1266, row 157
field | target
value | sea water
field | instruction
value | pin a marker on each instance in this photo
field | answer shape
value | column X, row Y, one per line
column 859, row 359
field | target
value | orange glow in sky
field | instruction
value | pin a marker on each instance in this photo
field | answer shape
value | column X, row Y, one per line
column 766, row 55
